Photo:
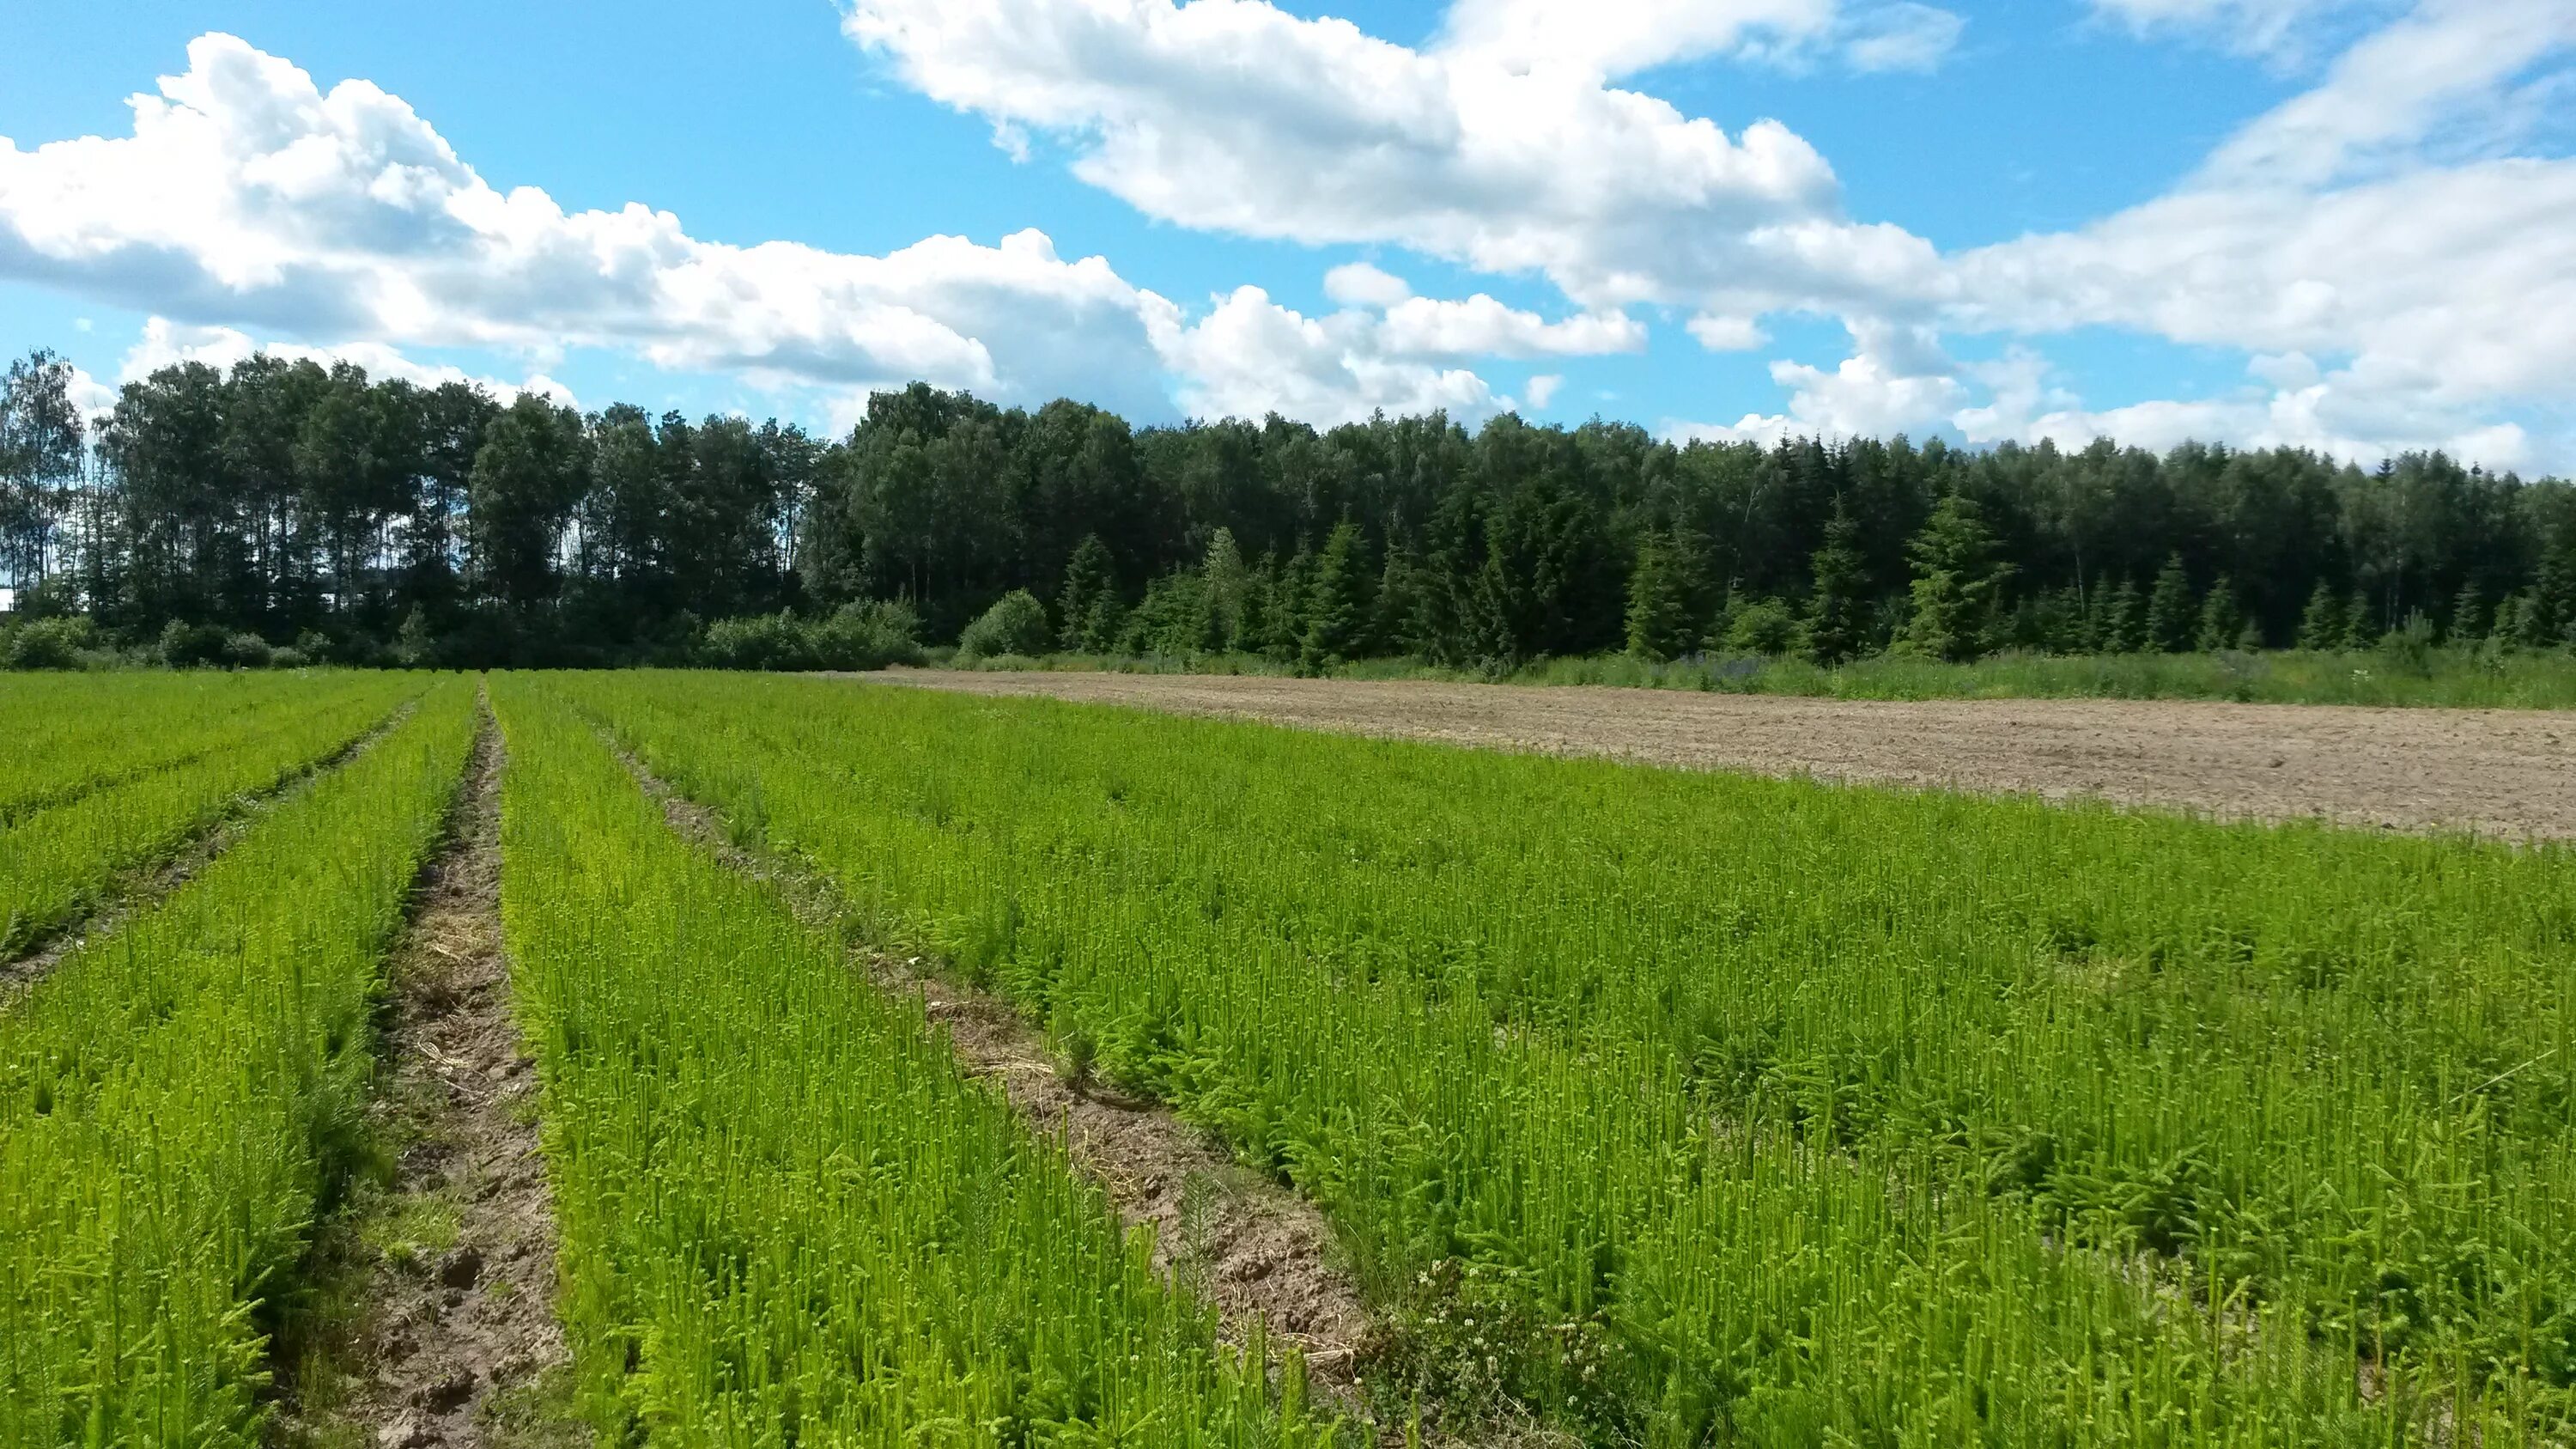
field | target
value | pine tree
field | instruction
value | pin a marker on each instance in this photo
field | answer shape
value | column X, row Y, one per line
column 1659, row 616
column 2124, row 619
column 2222, row 619
column 1082, row 621
column 1837, row 629
column 2321, row 627
column 2469, row 615
column 1398, row 623
column 1225, row 579
column 2360, row 629
column 2170, row 616
column 1337, row 603
column 1957, row 583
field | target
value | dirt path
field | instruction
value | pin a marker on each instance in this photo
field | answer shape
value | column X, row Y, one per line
column 458, row 1323
column 139, row 888
column 2507, row 773
column 1250, row 1247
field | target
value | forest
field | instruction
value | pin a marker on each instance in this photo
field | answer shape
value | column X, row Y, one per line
column 288, row 512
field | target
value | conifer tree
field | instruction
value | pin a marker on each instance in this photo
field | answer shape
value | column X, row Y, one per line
column 1337, row 603
column 2124, row 619
column 2469, row 616
column 1225, row 579
column 2360, row 629
column 2170, row 617
column 1837, row 626
column 1957, row 583
column 1659, row 616
column 2321, row 627
column 1083, row 623
column 2222, row 619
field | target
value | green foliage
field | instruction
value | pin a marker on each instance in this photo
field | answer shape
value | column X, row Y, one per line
column 1016, row 624
column 1660, row 623
column 1958, row 583
column 1087, row 610
column 55, row 643
column 1836, row 626
column 2323, row 624
column 1710, row 1080
column 786, row 1215
column 1340, row 602
column 2222, row 619
column 868, row 635
column 178, row 1102
column 2171, row 614
column 1763, row 626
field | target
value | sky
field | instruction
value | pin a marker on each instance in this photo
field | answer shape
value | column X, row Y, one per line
column 2347, row 225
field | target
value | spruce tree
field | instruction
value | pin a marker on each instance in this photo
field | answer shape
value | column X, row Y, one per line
column 1659, row 616
column 2469, row 614
column 1397, row 627
column 2222, row 619
column 2124, row 619
column 2321, row 627
column 2360, row 627
column 1225, row 579
column 2170, row 616
column 1337, row 603
column 1837, row 627
column 1957, row 583
column 1088, row 584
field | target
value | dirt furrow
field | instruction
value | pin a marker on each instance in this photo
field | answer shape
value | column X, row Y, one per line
column 1254, row 1250
column 453, row 1340
column 143, row 887
column 2505, row 773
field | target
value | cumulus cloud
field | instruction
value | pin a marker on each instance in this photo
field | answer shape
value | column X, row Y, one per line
column 248, row 196
column 1542, row 390
column 166, row 344
column 1610, row 38
column 1234, row 116
column 1358, row 284
column 1895, row 380
column 1249, row 356
column 1480, row 326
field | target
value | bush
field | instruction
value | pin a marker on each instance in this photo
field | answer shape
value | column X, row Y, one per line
column 247, row 651
column 1764, row 626
column 1016, row 624
column 869, row 635
column 187, row 646
column 54, row 643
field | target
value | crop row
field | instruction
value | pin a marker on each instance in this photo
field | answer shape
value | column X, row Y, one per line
column 181, row 1098
column 55, row 859
column 1766, row 1111
column 71, row 734
column 785, row 1215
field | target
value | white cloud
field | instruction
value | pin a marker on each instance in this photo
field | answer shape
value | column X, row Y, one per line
column 1250, row 356
column 1542, row 390
column 247, row 196
column 1727, row 334
column 1481, row 326
column 1895, row 380
column 1902, row 36
column 1231, row 115
column 166, row 344
column 1619, row 37
column 1358, row 284
column 2277, row 28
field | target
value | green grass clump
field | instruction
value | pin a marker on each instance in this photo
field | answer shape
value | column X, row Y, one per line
column 785, row 1215
column 1752, row 1111
column 179, row 1101
column 56, row 859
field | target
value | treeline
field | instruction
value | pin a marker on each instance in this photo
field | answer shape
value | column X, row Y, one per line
column 286, row 504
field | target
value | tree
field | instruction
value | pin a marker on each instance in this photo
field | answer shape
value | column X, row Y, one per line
column 1337, row 603
column 2222, row 618
column 2170, row 615
column 1659, row 613
column 1957, row 583
column 1016, row 624
column 2123, row 629
column 40, row 454
column 1087, row 606
column 528, row 476
column 2321, row 627
column 1836, row 626
column 1226, row 581
column 2469, row 614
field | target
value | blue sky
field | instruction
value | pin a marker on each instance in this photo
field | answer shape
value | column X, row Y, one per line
column 2330, row 223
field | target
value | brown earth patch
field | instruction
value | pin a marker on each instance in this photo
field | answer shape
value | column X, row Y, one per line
column 1253, row 1249
column 2504, row 773
column 454, row 1334
column 139, row 888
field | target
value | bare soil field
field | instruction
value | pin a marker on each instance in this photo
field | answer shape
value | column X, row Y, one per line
column 2504, row 773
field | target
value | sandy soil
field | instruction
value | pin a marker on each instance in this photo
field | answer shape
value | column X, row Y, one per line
column 1253, row 1249
column 2506, row 773
column 445, row 1335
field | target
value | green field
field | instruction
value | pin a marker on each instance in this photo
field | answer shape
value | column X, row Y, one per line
column 1647, row 1107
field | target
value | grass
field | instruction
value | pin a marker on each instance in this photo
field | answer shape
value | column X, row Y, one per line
column 1681, row 1108
column 2480, row 677
column 786, row 1216
column 181, row 1100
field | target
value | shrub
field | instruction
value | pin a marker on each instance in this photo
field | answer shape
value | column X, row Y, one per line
column 756, row 641
column 1016, row 624
column 186, row 646
column 247, row 651
column 869, row 635
column 47, row 643
column 1764, row 626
